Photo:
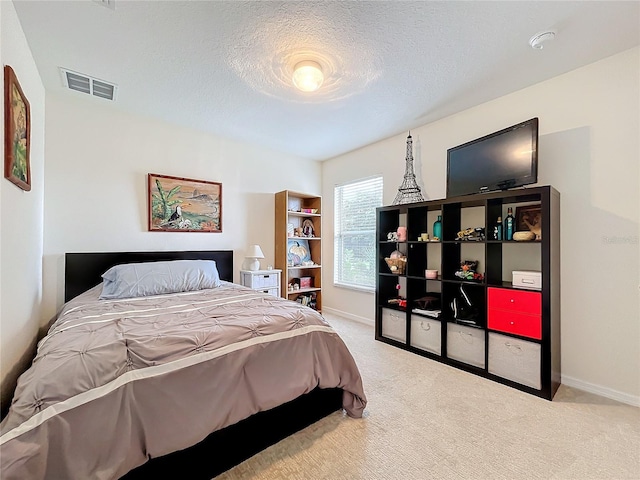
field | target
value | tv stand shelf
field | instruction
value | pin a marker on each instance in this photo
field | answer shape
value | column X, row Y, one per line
column 508, row 334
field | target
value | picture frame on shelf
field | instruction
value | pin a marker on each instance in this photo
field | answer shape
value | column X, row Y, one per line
column 529, row 218
column 179, row 204
column 298, row 252
column 17, row 132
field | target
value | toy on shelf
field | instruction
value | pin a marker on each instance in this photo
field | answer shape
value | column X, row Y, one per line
column 399, row 300
column 471, row 234
column 468, row 271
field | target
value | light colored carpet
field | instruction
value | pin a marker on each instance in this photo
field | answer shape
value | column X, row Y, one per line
column 426, row 420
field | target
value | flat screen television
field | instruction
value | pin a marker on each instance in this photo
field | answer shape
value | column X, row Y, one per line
column 499, row 161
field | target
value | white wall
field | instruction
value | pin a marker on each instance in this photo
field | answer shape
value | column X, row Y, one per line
column 98, row 159
column 21, row 240
column 590, row 151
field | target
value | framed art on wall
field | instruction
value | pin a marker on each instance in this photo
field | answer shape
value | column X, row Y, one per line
column 184, row 204
column 17, row 132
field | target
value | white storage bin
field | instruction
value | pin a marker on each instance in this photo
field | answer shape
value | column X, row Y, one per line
column 267, row 281
column 394, row 324
column 527, row 279
column 515, row 359
column 271, row 291
column 263, row 281
column 425, row 334
column 465, row 344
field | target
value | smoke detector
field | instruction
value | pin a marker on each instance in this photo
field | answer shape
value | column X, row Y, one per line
column 537, row 41
column 107, row 3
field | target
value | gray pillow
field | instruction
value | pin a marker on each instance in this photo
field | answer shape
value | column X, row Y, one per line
column 156, row 278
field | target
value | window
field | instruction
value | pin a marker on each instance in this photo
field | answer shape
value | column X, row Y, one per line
column 355, row 233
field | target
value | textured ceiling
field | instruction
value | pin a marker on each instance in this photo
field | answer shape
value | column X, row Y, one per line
column 225, row 66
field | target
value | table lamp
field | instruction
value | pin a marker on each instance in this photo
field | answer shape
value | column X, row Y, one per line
column 253, row 254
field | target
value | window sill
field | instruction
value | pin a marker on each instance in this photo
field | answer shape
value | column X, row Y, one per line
column 356, row 288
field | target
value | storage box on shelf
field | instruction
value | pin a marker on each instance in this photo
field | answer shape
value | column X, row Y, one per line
column 425, row 333
column 485, row 320
column 393, row 324
column 298, row 246
column 526, row 279
column 516, row 312
column 465, row 344
column 515, row 359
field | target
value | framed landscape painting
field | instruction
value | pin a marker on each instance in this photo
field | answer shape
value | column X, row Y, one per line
column 179, row 204
column 17, row 132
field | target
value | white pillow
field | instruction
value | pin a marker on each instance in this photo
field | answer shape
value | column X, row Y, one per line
column 156, row 278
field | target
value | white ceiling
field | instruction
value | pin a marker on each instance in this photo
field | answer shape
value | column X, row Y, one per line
column 224, row 66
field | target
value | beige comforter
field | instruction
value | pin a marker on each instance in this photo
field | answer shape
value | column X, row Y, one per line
column 117, row 381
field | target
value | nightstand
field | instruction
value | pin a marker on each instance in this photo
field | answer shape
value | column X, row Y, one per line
column 266, row 281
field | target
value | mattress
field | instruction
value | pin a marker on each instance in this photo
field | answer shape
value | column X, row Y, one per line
column 116, row 382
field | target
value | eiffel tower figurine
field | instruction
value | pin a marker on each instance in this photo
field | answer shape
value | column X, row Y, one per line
column 409, row 191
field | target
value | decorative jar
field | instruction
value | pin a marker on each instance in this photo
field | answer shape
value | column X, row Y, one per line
column 437, row 228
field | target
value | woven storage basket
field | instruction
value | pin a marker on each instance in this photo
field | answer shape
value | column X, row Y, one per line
column 396, row 265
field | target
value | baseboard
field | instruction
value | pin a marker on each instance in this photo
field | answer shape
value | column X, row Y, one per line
column 350, row 316
column 602, row 391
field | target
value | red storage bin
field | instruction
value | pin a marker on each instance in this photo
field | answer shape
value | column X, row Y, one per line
column 516, row 312
column 515, row 300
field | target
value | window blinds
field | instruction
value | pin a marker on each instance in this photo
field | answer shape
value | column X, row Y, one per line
column 355, row 232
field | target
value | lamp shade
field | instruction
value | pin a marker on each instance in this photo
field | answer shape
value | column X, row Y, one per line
column 254, row 252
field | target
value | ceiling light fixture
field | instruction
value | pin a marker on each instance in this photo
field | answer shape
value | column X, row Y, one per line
column 538, row 39
column 308, row 76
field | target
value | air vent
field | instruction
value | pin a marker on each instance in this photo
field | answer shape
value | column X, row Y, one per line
column 86, row 84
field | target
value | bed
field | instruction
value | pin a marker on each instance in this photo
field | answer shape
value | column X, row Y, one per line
column 191, row 381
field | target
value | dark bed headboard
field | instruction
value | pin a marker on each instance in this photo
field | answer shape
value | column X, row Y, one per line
column 83, row 271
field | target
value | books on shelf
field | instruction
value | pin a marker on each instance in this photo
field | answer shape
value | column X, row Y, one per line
column 308, row 300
